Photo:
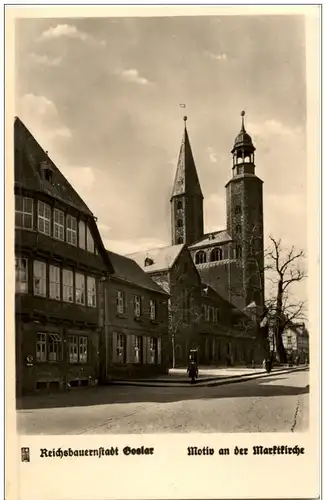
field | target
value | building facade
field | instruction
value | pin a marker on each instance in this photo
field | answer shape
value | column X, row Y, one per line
column 135, row 323
column 198, row 316
column 60, row 260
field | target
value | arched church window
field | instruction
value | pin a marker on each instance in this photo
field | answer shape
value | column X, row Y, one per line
column 238, row 229
column 180, row 223
column 238, row 210
column 180, row 240
column 179, row 205
column 200, row 257
column 238, row 252
column 216, row 254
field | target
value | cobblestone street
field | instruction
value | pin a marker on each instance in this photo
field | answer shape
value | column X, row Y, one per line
column 278, row 403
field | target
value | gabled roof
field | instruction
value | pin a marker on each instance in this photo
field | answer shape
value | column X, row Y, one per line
column 30, row 160
column 162, row 258
column 212, row 239
column 186, row 179
column 128, row 270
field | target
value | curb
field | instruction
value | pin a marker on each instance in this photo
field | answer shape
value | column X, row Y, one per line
column 211, row 382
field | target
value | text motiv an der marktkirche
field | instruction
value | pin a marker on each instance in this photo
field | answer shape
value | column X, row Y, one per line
column 190, row 451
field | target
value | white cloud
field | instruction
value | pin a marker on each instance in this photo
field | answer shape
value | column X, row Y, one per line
column 132, row 75
column 64, row 30
column 217, row 57
column 125, row 247
column 81, row 178
column 45, row 60
column 41, row 117
column 273, row 127
column 212, row 155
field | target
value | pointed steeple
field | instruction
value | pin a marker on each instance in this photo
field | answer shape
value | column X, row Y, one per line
column 186, row 180
column 187, row 198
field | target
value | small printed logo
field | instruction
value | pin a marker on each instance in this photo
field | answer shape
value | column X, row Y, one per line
column 25, row 455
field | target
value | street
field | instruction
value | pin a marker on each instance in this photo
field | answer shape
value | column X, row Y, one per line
column 277, row 403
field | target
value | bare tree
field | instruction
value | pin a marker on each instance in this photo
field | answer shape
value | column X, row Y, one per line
column 285, row 266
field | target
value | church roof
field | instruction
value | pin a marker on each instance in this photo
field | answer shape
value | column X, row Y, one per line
column 212, row 239
column 31, row 160
column 157, row 259
column 186, row 179
column 128, row 270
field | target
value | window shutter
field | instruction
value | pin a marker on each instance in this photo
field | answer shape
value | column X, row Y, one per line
column 159, row 350
column 114, row 347
column 144, row 350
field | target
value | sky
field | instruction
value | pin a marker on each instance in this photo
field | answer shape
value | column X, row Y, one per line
column 103, row 95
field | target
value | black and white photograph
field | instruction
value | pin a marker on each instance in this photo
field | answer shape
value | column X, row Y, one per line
column 160, row 229
column 161, row 217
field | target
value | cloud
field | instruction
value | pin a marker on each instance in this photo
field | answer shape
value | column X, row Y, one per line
column 126, row 247
column 45, row 60
column 41, row 117
column 212, row 155
column 133, row 76
column 273, row 127
column 64, row 30
column 81, row 178
column 217, row 57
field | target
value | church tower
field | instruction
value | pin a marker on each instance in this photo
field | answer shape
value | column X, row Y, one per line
column 245, row 223
column 187, row 198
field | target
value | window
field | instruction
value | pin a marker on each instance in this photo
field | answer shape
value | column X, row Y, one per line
column 207, row 313
column 120, row 302
column 90, row 241
column 47, row 173
column 21, row 275
column 54, row 347
column 121, row 345
column 41, row 347
column 152, row 350
column 73, row 348
column 138, row 349
column 180, row 240
column 77, row 349
column 216, row 254
column 137, row 306
column 179, row 205
column 82, row 234
column 152, row 309
column 180, row 223
column 91, row 292
column 44, row 218
column 238, row 210
column 23, row 212
column 215, row 315
column 83, row 350
column 80, row 288
column 58, row 225
column 68, row 285
column 55, row 292
column 71, row 230
column 200, row 257
column 39, row 278
column 238, row 229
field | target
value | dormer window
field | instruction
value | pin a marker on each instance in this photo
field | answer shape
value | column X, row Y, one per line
column 148, row 262
column 47, row 172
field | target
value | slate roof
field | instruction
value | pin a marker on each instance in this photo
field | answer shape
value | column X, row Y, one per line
column 128, row 270
column 212, row 239
column 163, row 258
column 186, row 179
column 30, row 160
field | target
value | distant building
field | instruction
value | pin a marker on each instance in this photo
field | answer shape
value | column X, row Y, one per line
column 295, row 341
column 60, row 260
column 135, row 319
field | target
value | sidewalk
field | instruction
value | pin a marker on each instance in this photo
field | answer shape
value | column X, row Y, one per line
column 208, row 377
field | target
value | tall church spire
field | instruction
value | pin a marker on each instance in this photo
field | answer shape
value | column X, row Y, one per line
column 186, row 179
column 187, row 198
